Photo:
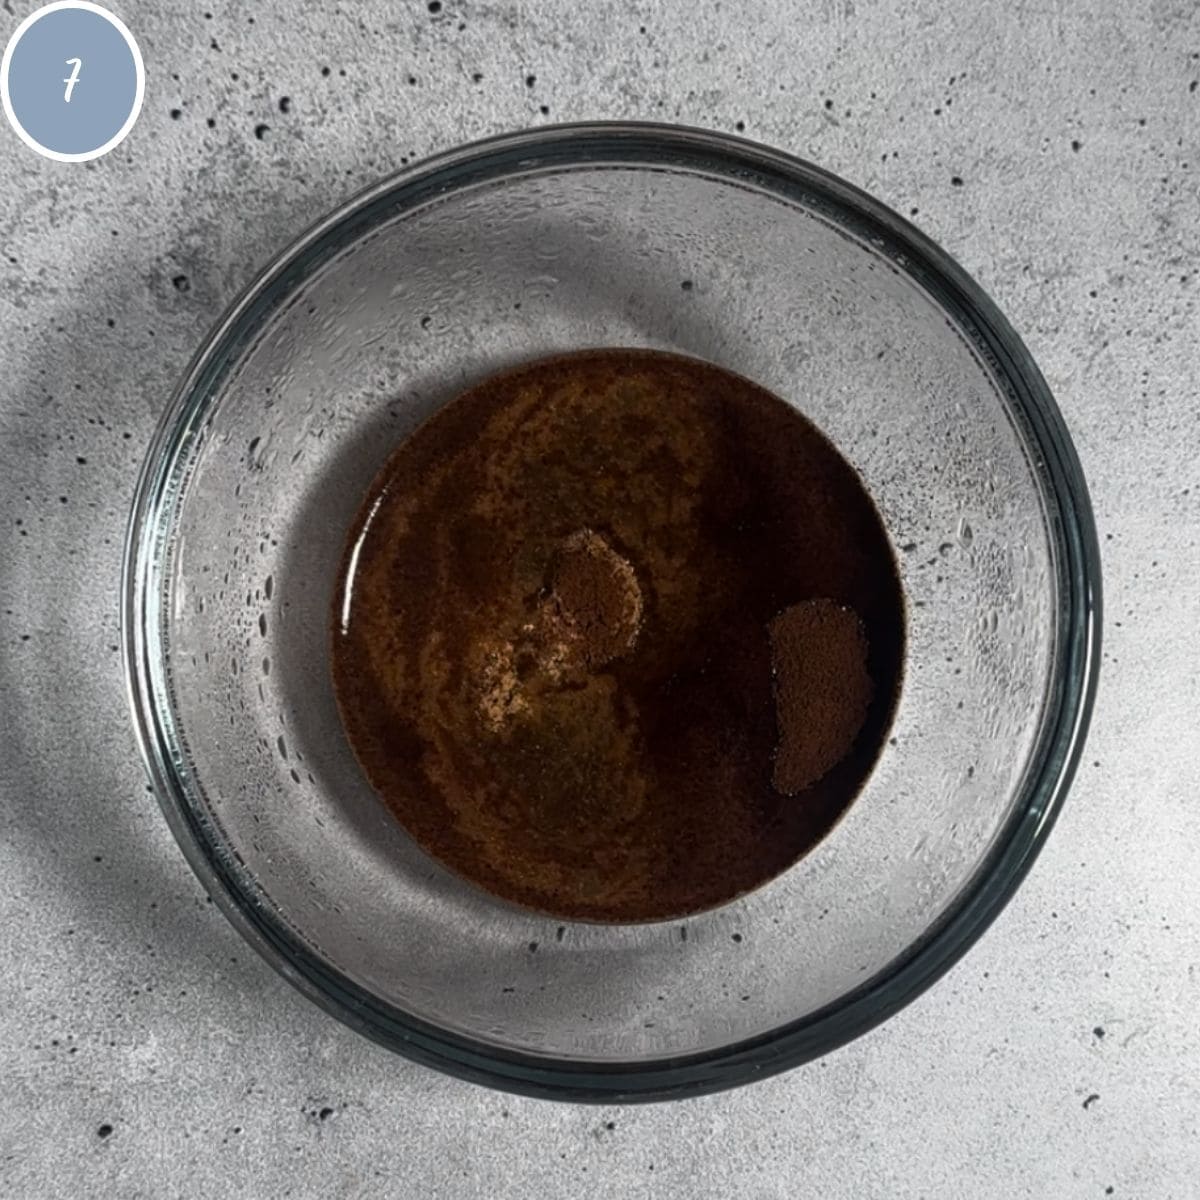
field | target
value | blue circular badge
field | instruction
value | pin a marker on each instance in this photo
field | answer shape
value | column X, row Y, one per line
column 72, row 80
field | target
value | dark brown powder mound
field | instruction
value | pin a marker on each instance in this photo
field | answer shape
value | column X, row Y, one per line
column 822, row 689
column 596, row 600
column 586, row 627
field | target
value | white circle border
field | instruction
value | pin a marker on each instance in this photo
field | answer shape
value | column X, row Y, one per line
column 139, row 91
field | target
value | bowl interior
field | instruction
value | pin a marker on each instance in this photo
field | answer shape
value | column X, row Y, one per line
column 397, row 310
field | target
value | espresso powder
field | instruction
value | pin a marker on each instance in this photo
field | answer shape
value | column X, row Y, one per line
column 822, row 689
column 618, row 635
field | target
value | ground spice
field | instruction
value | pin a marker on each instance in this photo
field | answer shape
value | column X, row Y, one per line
column 822, row 689
column 618, row 635
column 596, row 599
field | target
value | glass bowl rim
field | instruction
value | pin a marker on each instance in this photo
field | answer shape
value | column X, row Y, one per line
column 1054, row 760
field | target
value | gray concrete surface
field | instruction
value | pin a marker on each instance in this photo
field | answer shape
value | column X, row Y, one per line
column 1061, row 1058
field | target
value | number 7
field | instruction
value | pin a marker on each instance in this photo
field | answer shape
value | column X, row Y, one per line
column 72, row 79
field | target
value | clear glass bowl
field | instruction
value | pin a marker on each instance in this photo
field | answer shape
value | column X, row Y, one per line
column 625, row 235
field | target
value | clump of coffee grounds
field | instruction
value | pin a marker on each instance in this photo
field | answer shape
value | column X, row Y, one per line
column 822, row 689
column 588, row 614
column 595, row 599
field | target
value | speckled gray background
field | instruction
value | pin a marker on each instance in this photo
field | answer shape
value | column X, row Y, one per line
column 1054, row 148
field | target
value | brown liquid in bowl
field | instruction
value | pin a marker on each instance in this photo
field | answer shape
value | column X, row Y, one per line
column 618, row 635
